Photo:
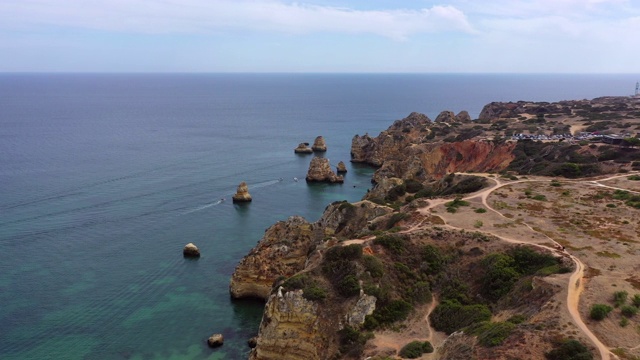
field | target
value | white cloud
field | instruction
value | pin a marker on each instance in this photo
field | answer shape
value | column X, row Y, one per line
column 201, row 16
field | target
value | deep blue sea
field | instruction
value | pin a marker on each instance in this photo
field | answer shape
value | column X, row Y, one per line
column 104, row 179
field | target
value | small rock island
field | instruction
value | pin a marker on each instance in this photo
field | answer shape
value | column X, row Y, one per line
column 242, row 194
column 319, row 145
column 303, row 148
column 320, row 171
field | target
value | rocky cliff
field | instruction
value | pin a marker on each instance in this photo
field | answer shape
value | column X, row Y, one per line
column 405, row 151
column 286, row 246
column 282, row 251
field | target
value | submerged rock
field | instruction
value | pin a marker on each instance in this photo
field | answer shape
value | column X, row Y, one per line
column 190, row 250
column 242, row 194
column 215, row 340
column 319, row 145
column 320, row 171
column 303, row 148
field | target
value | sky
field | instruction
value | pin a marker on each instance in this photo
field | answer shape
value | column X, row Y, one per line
column 335, row 36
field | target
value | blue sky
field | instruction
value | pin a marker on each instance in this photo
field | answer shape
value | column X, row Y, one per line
column 460, row 36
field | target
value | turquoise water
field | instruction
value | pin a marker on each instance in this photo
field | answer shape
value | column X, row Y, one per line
column 104, row 178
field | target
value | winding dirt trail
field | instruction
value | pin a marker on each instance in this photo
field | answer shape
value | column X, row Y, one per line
column 575, row 285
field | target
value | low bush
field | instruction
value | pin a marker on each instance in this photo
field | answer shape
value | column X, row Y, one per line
column 352, row 341
column 391, row 242
column 629, row 310
column 636, row 300
column 413, row 186
column 599, row 311
column 373, row 265
column 450, row 316
column 395, row 218
column 395, row 310
column 491, row 333
column 415, row 349
column 619, row 298
column 569, row 350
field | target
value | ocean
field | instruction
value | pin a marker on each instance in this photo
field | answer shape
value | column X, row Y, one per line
column 105, row 177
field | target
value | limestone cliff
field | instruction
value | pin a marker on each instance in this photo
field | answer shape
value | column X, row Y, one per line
column 285, row 247
column 290, row 329
column 282, row 251
column 405, row 151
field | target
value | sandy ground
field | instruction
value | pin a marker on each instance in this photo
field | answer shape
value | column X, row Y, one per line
column 574, row 219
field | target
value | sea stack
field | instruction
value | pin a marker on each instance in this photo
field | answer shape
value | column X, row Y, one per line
column 341, row 168
column 303, row 148
column 242, row 194
column 320, row 171
column 319, row 145
column 190, row 250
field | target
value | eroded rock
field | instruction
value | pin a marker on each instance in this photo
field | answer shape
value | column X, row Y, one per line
column 242, row 193
column 319, row 145
column 191, row 250
column 320, row 171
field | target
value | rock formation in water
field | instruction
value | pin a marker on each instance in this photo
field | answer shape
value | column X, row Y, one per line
column 190, row 250
column 320, row 171
column 242, row 193
column 341, row 168
column 319, row 145
column 303, row 148
column 215, row 340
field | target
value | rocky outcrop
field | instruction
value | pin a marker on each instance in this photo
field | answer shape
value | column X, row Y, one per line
column 320, row 171
column 290, row 329
column 242, row 193
column 446, row 117
column 285, row 247
column 303, row 148
column 341, row 168
column 190, row 250
column 215, row 340
column 463, row 117
column 282, row 251
column 402, row 152
column 365, row 306
column 319, row 145
column 346, row 220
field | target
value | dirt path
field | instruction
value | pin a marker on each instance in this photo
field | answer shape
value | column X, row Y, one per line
column 575, row 285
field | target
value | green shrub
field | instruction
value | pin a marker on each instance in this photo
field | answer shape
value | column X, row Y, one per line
column 450, row 316
column 391, row 242
column 528, row 261
column 314, row 293
column 395, row 218
column 599, row 311
column 624, row 322
column 352, row 341
column 348, row 286
column 395, row 192
column 540, row 197
column 491, row 333
column 413, row 186
column 395, row 310
column 421, row 292
column 629, row 310
column 373, row 265
column 619, row 298
column 636, row 300
column 499, row 276
column 415, row 349
column 569, row 350
column 517, row 319
column 434, row 258
column 480, row 210
column 634, row 177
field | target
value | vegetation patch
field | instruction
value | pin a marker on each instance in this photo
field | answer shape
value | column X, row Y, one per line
column 491, row 333
column 415, row 349
column 599, row 311
column 450, row 316
column 569, row 350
